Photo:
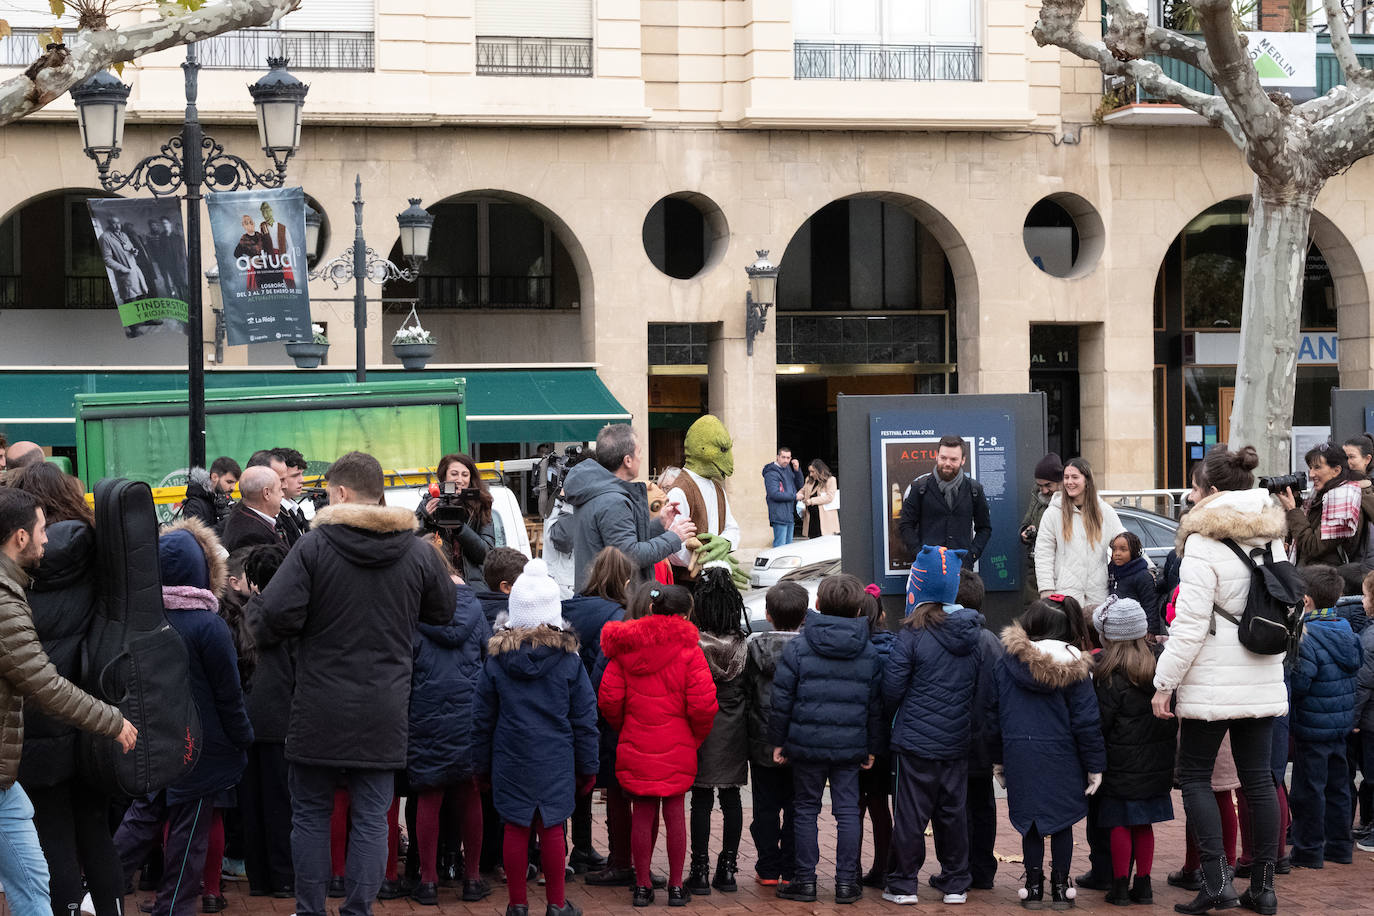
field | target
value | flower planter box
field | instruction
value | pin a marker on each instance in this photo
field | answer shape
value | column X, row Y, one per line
column 413, row 355
column 307, row 354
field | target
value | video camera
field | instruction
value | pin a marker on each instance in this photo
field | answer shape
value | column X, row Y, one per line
column 553, row 470
column 1297, row 482
column 452, row 511
column 318, row 496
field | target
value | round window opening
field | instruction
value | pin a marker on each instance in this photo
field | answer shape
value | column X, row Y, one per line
column 1063, row 235
column 684, row 234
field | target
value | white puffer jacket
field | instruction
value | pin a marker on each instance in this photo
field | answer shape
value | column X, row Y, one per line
column 1076, row 567
column 1213, row 676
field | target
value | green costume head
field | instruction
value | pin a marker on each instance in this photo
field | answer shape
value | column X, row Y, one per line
column 708, row 450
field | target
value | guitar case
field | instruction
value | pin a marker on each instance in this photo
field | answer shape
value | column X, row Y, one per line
column 133, row 657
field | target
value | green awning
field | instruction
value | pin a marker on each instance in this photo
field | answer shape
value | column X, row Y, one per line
column 548, row 405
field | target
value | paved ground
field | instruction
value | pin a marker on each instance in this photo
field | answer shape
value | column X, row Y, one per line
column 1335, row 889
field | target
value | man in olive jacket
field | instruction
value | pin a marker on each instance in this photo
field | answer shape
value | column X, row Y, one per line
column 26, row 673
column 351, row 592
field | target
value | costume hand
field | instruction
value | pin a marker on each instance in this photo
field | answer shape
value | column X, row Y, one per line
column 1094, row 783
column 999, row 773
column 1287, row 500
column 867, row 764
column 778, row 758
column 1160, row 704
column 128, row 736
column 585, row 783
column 713, row 547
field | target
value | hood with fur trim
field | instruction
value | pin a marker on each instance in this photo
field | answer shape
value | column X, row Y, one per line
column 529, row 653
column 367, row 536
column 1046, row 664
column 1242, row 515
column 214, row 551
column 642, row 645
column 725, row 654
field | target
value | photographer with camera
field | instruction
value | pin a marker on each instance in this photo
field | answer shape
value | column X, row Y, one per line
column 1329, row 527
column 460, row 511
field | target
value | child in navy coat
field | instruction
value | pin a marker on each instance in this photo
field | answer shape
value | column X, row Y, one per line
column 1051, row 737
column 1129, row 575
column 534, row 733
column 930, row 687
column 875, row 783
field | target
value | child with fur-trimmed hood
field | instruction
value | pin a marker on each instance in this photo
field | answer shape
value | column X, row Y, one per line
column 1051, row 738
column 534, row 732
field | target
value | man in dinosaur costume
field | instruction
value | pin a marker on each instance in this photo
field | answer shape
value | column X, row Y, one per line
column 699, row 492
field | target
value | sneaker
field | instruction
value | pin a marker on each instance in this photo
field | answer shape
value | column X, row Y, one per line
column 956, row 898
column 233, row 869
column 1365, row 845
column 900, row 899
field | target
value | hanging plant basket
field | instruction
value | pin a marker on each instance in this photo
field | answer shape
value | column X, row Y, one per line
column 413, row 355
column 307, row 354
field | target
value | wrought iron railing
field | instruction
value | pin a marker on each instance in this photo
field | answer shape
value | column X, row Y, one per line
column 11, row 287
column 89, row 293
column 499, row 55
column 828, row 338
column 827, row 60
column 248, row 49
column 485, row 292
column 20, row 47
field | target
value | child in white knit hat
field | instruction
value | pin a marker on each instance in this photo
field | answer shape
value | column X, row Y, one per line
column 534, row 732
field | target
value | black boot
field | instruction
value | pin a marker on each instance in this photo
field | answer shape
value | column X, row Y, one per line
column 1062, row 891
column 725, row 873
column 1033, row 894
column 584, row 859
column 1141, row 892
column 699, row 878
column 1216, row 894
column 1189, row 880
column 1260, row 897
column 1120, row 894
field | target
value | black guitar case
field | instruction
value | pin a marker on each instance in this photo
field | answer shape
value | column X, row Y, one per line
column 134, row 659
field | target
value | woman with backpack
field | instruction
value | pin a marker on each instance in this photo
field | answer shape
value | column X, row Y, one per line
column 1215, row 685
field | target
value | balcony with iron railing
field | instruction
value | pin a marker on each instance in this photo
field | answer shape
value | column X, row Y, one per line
column 504, row 55
column 245, row 49
column 79, row 293
column 827, row 60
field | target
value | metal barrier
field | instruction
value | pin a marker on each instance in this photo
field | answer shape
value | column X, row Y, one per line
column 1168, row 503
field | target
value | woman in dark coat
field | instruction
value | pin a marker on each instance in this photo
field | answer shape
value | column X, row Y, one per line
column 69, row 813
column 534, row 730
column 723, row 758
column 1052, row 749
column 473, row 531
column 448, row 661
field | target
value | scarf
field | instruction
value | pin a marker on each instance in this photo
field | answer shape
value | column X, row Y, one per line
column 950, row 488
column 1340, row 512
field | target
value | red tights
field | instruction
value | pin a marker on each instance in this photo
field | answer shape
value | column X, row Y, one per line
column 1285, row 816
column 338, row 833
column 516, row 856
column 427, row 830
column 643, row 836
column 1139, row 839
column 214, row 857
column 1230, row 828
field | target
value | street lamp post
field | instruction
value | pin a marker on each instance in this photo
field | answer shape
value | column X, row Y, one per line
column 762, row 293
column 191, row 161
column 361, row 263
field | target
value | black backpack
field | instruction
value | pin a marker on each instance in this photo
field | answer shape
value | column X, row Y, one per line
column 133, row 657
column 1269, row 624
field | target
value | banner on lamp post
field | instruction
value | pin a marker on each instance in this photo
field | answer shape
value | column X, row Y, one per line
column 143, row 246
column 260, row 248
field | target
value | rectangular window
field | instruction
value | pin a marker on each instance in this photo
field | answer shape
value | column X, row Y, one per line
column 535, row 18
column 885, row 21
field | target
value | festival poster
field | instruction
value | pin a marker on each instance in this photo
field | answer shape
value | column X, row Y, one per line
column 903, row 445
column 143, row 245
column 260, row 248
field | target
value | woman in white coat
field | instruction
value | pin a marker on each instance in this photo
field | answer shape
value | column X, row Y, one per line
column 1214, row 684
column 1073, row 545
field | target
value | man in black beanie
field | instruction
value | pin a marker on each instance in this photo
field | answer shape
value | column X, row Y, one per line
column 1049, row 474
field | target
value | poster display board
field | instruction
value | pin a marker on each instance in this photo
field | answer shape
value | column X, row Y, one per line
column 143, row 245
column 260, row 249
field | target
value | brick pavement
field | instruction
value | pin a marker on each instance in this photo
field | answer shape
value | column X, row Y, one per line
column 1335, row 889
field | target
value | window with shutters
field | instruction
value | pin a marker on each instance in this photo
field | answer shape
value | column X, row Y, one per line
column 534, row 37
column 887, row 39
column 320, row 35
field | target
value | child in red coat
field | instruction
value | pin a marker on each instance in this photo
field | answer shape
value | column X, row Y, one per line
column 657, row 692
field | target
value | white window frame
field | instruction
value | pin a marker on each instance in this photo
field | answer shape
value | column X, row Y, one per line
column 884, row 35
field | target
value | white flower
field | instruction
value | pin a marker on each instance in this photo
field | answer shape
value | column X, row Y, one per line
column 413, row 334
column 316, row 328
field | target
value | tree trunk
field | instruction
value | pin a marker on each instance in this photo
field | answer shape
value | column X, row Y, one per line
column 1271, row 321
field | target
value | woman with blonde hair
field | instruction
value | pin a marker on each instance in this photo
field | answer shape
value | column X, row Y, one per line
column 1073, row 545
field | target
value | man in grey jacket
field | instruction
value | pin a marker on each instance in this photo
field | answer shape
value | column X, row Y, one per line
column 612, row 509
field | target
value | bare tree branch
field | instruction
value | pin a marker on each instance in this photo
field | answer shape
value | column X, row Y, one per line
column 1345, row 136
column 1355, row 75
column 1324, row 106
column 1264, row 124
column 1131, row 36
column 92, row 50
column 1058, row 26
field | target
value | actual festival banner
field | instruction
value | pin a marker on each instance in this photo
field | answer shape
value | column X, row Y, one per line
column 260, row 248
column 903, row 445
column 143, row 246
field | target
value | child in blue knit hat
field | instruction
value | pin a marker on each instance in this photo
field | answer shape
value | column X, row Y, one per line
column 929, row 687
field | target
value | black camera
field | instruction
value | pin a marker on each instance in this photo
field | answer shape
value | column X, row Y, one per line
column 1296, row 482
column 452, row 511
column 552, row 471
column 318, row 496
